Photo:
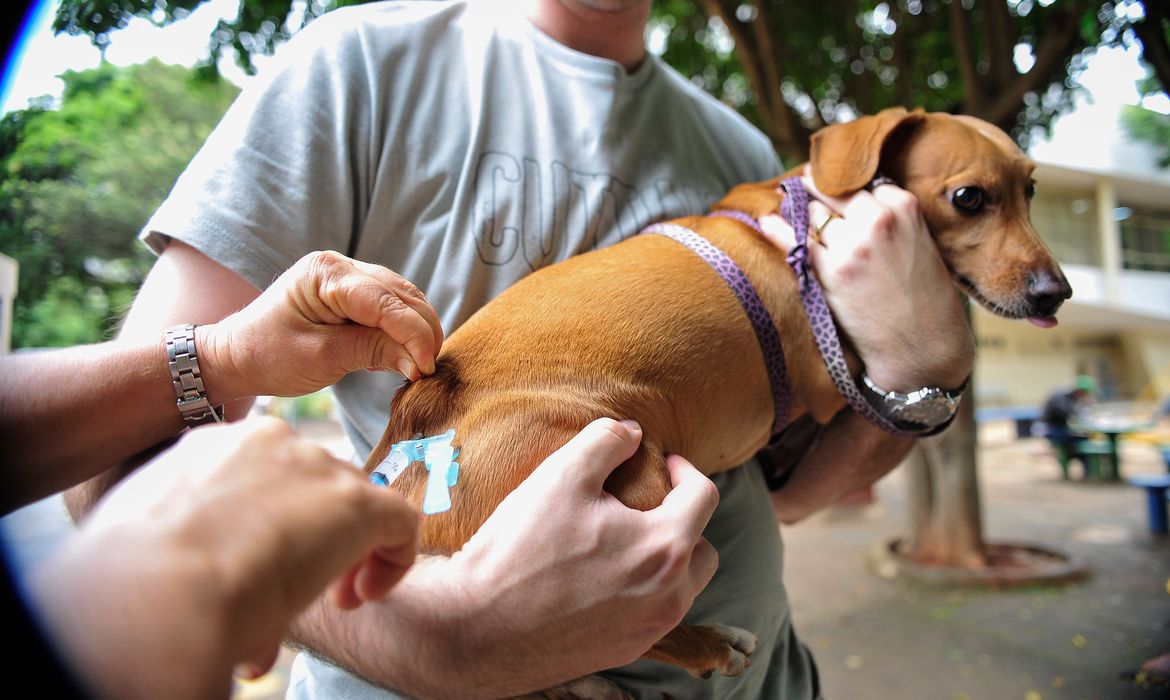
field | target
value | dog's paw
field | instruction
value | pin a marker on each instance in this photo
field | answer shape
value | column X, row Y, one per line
column 742, row 644
column 704, row 649
column 587, row 688
column 729, row 651
column 738, row 646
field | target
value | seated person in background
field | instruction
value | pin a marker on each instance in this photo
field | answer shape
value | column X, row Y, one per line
column 1061, row 407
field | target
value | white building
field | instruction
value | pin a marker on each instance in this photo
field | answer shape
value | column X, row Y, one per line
column 1107, row 219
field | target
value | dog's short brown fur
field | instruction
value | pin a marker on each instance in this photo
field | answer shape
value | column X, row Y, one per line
column 645, row 329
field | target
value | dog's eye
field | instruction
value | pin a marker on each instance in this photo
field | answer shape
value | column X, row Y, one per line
column 968, row 199
column 1031, row 191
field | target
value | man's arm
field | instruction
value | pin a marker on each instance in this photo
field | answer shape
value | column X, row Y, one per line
column 189, row 559
column 324, row 317
column 894, row 300
column 849, row 454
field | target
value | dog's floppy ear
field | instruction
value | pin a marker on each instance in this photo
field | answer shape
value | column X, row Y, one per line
column 845, row 157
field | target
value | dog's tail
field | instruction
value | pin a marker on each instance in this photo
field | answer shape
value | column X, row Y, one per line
column 422, row 409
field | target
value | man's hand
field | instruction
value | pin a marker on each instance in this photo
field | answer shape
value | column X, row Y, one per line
column 623, row 578
column 326, row 316
column 889, row 289
column 561, row 581
column 199, row 561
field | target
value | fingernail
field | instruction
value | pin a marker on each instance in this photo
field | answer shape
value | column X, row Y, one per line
column 407, row 368
column 246, row 671
column 631, row 424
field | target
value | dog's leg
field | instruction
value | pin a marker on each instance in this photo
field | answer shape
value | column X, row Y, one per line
column 704, row 649
column 588, row 688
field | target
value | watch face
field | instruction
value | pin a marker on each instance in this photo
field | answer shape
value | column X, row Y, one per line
column 932, row 409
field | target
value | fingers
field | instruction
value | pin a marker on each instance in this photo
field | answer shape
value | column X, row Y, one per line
column 258, row 663
column 387, row 545
column 692, row 499
column 592, row 455
column 375, row 297
column 704, row 564
column 821, row 217
column 412, row 295
column 684, row 514
column 396, row 551
column 837, row 204
column 777, row 231
column 879, row 212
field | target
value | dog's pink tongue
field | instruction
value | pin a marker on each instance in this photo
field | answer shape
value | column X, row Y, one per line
column 1043, row 322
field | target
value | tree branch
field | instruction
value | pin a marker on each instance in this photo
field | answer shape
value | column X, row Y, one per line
column 1060, row 43
column 966, row 59
column 999, row 36
column 1152, row 32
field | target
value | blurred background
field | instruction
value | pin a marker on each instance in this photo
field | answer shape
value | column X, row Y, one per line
column 986, row 567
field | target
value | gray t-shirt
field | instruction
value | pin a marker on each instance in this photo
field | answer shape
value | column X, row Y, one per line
column 458, row 145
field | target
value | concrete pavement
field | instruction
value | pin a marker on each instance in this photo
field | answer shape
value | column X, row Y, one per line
column 877, row 638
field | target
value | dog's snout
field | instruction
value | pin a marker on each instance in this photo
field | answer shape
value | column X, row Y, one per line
column 1046, row 292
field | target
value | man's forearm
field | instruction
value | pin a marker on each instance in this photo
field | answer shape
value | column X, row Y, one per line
column 439, row 634
column 409, row 641
column 84, row 417
column 850, row 454
column 69, row 415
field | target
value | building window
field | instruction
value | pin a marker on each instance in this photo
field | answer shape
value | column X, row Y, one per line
column 1145, row 239
column 1067, row 221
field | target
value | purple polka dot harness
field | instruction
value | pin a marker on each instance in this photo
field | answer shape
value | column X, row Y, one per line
column 794, row 209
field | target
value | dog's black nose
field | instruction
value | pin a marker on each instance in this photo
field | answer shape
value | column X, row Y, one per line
column 1046, row 292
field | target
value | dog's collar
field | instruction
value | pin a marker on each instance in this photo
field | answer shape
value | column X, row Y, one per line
column 766, row 333
column 794, row 209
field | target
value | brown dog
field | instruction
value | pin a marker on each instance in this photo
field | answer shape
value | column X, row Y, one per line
column 645, row 329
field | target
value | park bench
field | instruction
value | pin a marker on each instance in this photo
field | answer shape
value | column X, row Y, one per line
column 1157, row 488
column 1023, row 416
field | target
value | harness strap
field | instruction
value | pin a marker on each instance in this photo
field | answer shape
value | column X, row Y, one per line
column 766, row 333
column 740, row 216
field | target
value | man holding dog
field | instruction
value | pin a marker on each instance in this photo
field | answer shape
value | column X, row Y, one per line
column 463, row 146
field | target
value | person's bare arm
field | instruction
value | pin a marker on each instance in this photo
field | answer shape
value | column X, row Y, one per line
column 848, row 455
column 561, row 581
column 199, row 561
column 324, row 317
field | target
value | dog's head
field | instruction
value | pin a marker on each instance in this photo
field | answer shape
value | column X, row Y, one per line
column 974, row 186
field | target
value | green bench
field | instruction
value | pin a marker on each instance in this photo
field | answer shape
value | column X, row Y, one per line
column 1095, row 455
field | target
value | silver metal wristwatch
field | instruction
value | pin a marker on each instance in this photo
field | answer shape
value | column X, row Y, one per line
column 184, row 364
column 924, row 411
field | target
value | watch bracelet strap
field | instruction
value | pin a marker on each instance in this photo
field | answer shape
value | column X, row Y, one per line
column 942, row 426
column 183, row 362
column 925, row 431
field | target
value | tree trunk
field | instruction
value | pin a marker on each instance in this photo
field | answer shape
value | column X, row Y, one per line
column 946, row 521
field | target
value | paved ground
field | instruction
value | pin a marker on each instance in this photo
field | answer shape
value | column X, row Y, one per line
column 880, row 638
column 877, row 638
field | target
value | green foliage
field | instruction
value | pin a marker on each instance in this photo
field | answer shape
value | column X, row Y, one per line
column 77, row 184
column 1151, row 127
column 258, row 28
column 792, row 66
column 805, row 64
